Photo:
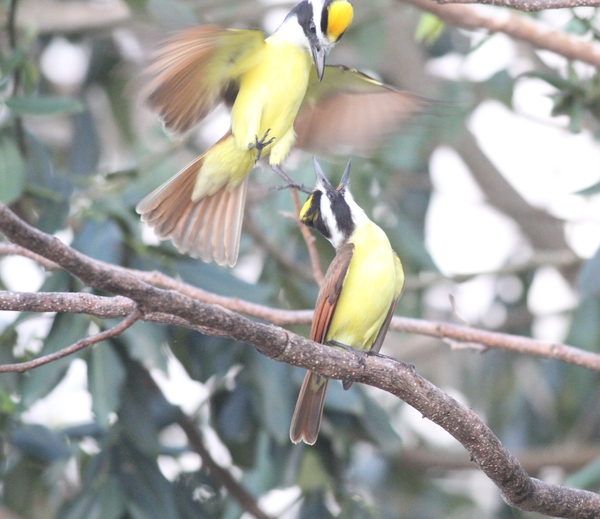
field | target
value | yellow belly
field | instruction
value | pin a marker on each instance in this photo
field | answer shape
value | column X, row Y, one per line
column 270, row 95
column 368, row 292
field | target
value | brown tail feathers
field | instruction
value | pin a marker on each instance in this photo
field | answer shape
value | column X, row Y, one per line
column 306, row 421
column 209, row 228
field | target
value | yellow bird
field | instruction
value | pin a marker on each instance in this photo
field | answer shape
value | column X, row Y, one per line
column 357, row 299
column 281, row 94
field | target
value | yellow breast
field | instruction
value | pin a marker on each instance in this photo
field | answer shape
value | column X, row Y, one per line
column 369, row 289
column 271, row 92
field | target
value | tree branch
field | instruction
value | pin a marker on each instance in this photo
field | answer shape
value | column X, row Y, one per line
column 516, row 26
column 113, row 307
column 309, row 239
column 397, row 378
column 74, row 348
column 529, row 5
column 568, row 457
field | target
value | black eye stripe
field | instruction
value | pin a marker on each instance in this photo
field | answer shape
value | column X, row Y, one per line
column 325, row 17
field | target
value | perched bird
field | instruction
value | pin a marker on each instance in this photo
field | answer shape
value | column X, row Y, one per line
column 281, row 94
column 358, row 296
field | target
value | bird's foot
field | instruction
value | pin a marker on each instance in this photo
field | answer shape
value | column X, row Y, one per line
column 359, row 353
column 260, row 144
column 408, row 365
column 289, row 183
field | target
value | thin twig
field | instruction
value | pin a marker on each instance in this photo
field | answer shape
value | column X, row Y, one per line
column 275, row 252
column 309, row 239
column 140, row 376
column 516, row 26
column 21, row 367
column 105, row 308
column 10, row 249
column 529, row 5
column 220, row 474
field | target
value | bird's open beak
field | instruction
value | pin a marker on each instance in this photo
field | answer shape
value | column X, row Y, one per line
column 318, row 55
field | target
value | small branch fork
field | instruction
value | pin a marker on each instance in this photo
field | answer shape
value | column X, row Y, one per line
column 309, row 239
column 74, row 348
column 397, row 378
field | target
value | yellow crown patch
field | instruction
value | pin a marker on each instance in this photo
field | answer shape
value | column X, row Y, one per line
column 339, row 16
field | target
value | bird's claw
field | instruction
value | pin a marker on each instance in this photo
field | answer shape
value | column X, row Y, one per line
column 359, row 353
column 260, row 144
column 288, row 182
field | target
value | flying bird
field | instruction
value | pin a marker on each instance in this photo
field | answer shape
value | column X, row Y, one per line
column 281, row 95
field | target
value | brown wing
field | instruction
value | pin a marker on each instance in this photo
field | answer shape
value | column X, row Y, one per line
column 349, row 112
column 330, row 292
column 191, row 73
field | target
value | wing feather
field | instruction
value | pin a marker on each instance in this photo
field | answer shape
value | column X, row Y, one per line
column 349, row 112
column 329, row 293
column 194, row 71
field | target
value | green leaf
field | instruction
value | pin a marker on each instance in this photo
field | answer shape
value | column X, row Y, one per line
column 12, row 171
column 44, row 105
column 66, row 330
column 376, row 422
column 101, row 240
column 40, row 443
column 588, row 477
column 588, row 282
column 148, row 493
column 85, row 149
column 105, row 377
column 274, row 390
column 577, row 26
column 314, row 507
column 172, row 13
column 591, row 190
column 312, row 475
column 24, row 488
column 49, row 191
column 429, row 29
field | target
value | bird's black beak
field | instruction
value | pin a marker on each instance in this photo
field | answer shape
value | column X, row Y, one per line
column 318, row 55
column 321, row 178
column 345, row 177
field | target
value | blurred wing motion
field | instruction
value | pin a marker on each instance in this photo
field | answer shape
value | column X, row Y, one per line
column 349, row 112
column 187, row 78
column 196, row 70
column 306, row 421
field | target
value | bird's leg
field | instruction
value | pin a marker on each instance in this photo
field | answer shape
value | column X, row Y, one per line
column 359, row 353
column 260, row 144
column 289, row 183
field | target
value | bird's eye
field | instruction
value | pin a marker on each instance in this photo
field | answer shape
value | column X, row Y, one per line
column 312, row 28
column 330, row 195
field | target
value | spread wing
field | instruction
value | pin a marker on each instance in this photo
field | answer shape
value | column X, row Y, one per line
column 388, row 318
column 329, row 293
column 191, row 73
column 349, row 112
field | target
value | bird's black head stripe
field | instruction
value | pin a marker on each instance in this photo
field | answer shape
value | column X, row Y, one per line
column 343, row 214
